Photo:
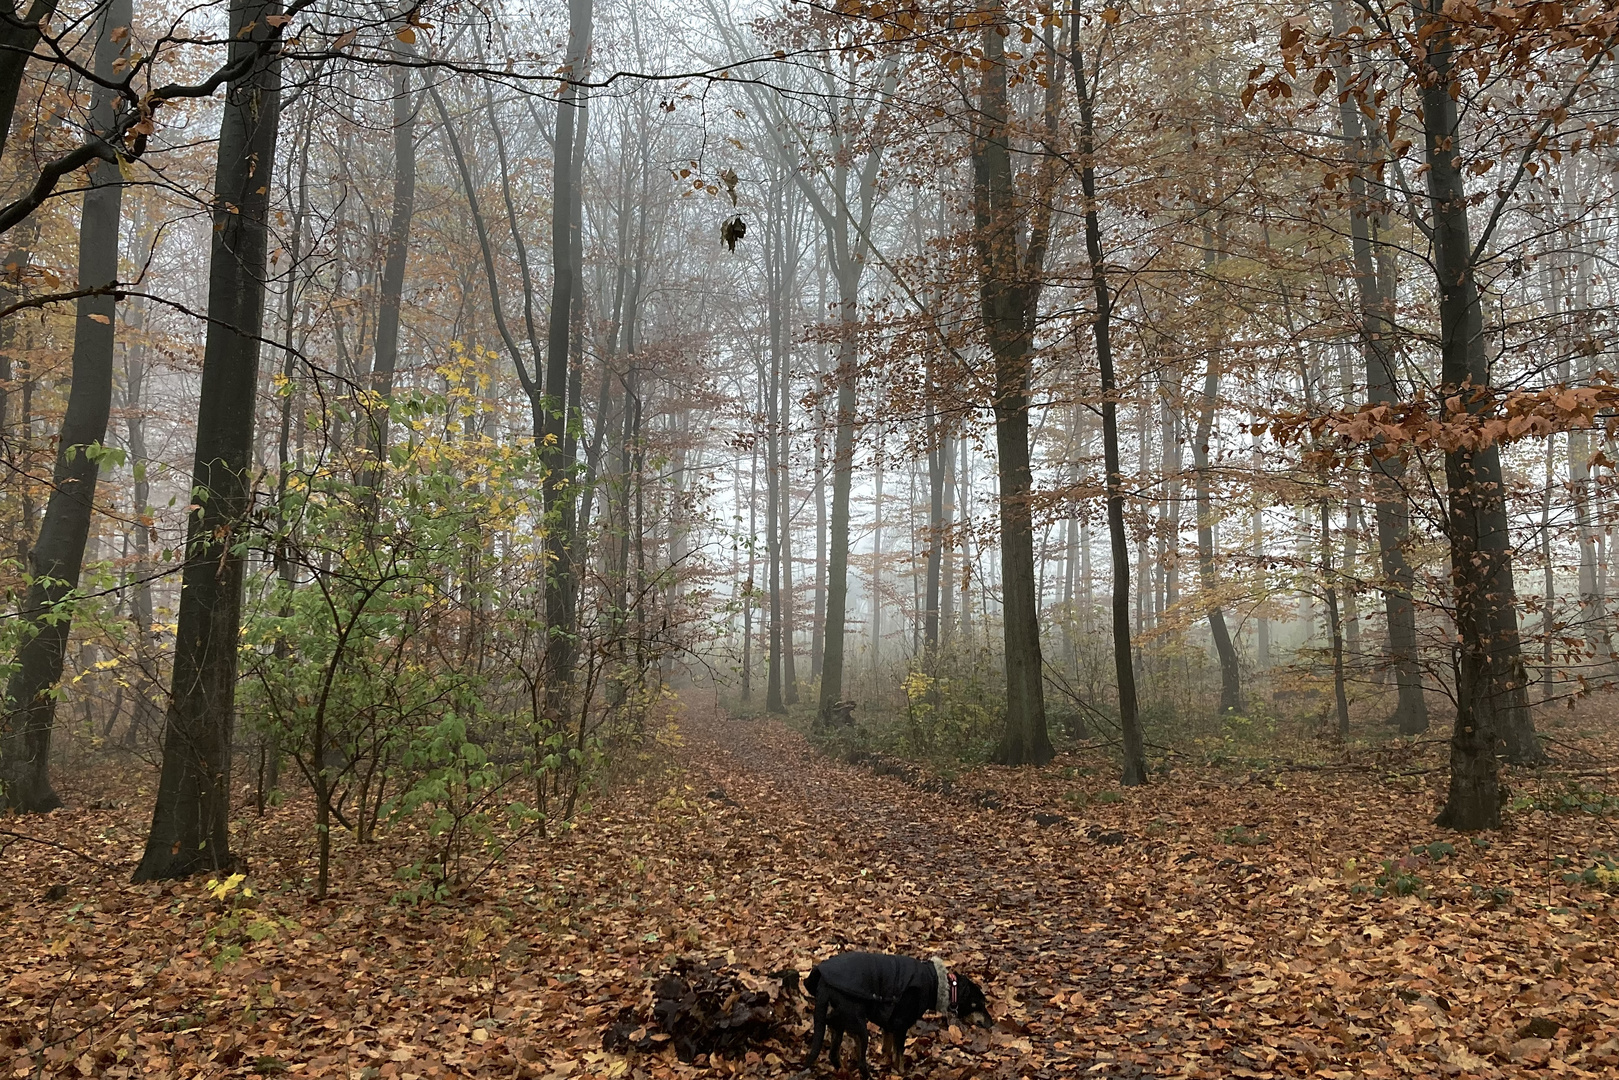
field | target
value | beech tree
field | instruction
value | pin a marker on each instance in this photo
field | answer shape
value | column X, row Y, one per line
column 58, row 554
column 190, row 822
column 1011, row 233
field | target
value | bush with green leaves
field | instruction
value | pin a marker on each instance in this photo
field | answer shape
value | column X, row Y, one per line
column 1574, row 798
column 1601, row 874
column 394, row 658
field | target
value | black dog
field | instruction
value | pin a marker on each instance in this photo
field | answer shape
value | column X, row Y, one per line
column 890, row 991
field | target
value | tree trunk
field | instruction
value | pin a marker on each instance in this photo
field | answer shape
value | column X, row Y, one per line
column 877, row 559
column 146, row 687
column 1261, row 587
column 1135, row 757
column 1009, row 292
column 385, row 358
column 1491, row 690
column 1548, row 602
column 818, row 614
column 1230, row 671
column 947, row 555
column 1145, row 592
column 1334, row 624
column 190, row 830
column 1351, row 575
column 561, row 590
column 775, row 474
column 789, row 621
column 788, row 282
column 936, row 454
column 749, row 594
column 1169, row 516
column 15, row 263
column 1589, row 516
column 19, row 34
column 1079, row 438
column 773, row 691
column 837, row 568
column 1374, row 283
column 1590, row 613
column 58, row 555
column 964, row 478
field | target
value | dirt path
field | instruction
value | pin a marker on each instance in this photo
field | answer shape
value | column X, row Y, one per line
column 1199, row 927
column 990, row 890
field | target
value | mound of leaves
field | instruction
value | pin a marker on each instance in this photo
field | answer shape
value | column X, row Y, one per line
column 914, row 775
column 704, row 1006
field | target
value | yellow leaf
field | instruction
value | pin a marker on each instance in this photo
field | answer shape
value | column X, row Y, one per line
column 221, row 889
column 407, row 35
column 102, row 319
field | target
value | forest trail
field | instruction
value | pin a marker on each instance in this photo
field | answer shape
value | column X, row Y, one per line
column 1209, row 925
column 885, row 866
column 1204, row 926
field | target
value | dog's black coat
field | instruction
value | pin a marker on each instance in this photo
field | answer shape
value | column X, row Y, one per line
column 856, row 988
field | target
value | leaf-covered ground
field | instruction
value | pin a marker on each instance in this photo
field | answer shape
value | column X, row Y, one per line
column 1211, row 924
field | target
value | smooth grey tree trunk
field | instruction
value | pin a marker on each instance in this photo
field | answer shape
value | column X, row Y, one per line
column 1374, row 284
column 385, row 357
column 58, row 553
column 1009, row 272
column 877, row 555
column 1135, row 755
column 837, row 565
column 1261, row 579
column 749, row 591
column 789, row 608
column 190, row 824
column 947, row 556
column 1230, row 670
column 775, row 475
column 561, row 588
column 818, row 614
column 147, row 688
column 936, row 450
column 1169, row 514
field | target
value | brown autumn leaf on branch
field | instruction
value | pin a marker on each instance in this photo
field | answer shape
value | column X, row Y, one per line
column 1469, row 420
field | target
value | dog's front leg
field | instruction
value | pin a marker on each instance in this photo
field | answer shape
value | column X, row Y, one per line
column 897, row 1051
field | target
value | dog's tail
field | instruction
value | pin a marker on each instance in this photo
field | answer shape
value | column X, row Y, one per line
column 814, row 980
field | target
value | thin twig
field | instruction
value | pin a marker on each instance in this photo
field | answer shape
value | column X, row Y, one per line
column 55, row 844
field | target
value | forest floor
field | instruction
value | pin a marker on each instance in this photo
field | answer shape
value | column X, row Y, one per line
column 1216, row 923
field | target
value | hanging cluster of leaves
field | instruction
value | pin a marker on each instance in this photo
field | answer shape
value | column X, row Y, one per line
column 1473, row 421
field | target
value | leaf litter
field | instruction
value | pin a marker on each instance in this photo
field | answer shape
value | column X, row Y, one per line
column 1283, row 923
